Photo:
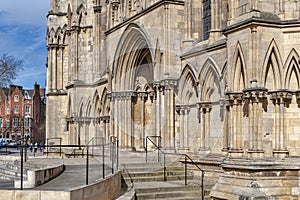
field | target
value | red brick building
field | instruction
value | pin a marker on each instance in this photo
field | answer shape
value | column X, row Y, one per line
column 23, row 113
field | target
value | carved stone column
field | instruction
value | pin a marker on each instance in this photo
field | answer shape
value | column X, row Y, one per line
column 168, row 137
column 158, row 119
column 205, row 109
column 280, row 99
column 49, row 68
column 183, row 112
column 255, row 99
column 235, row 124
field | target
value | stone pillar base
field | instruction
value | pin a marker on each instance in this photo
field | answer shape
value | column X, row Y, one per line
column 255, row 153
column 236, row 153
column 280, row 153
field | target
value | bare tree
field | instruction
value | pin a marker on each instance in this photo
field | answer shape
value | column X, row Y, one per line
column 9, row 68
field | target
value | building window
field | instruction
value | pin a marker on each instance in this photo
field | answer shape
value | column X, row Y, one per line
column 7, row 123
column 7, row 110
column 27, row 109
column 16, row 109
column 1, row 122
column 27, row 122
column 16, row 98
column 206, row 18
column 16, row 122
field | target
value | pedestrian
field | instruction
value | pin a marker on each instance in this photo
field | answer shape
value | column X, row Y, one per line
column 31, row 147
column 35, row 147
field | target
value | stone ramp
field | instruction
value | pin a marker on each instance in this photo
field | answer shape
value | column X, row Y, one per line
column 74, row 175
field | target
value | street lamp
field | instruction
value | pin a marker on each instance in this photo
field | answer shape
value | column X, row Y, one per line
column 26, row 120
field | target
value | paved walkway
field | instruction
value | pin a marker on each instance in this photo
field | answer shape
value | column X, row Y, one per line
column 73, row 177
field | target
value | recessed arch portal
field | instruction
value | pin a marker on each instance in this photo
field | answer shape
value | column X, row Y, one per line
column 132, row 84
column 133, row 58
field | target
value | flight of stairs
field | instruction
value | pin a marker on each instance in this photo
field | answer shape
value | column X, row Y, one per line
column 147, row 179
column 10, row 171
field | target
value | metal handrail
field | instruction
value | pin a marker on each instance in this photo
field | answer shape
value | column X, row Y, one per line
column 157, row 146
column 185, row 163
column 115, row 148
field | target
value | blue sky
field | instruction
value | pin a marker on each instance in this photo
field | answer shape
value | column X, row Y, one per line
column 23, row 26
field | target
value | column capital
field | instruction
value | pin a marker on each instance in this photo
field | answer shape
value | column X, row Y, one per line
column 205, row 106
column 97, row 9
column 255, row 94
column 234, row 98
column 183, row 109
column 281, row 96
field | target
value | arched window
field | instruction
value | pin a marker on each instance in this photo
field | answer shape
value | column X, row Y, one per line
column 206, row 18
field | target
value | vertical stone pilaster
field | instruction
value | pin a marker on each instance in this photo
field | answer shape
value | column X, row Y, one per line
column 226, row 128
column 255, row 98
column 158, row 110
column 98, row 52
column 169, row 131
column 215, row 32
column 75, row 54
column 205, row 109
column 61, row 68
column 235, row 115
column 280, row 100
column 183, row 112
column 49, row 68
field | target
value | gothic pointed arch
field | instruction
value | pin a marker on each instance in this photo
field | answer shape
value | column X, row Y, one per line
column 64, row 33
column 81, row 12
column 105, row 103
column 187, row 85
column 133, row 60
column 69, row 15
column 272, row 66
column 209, row 81
column 239, row 72
column 88, row 108
column 292, row 71
column 51, row 36
column 97, row 104
column 224, row 76
column 58, row 35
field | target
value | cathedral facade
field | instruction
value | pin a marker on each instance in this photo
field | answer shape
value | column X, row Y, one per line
column 216, row 78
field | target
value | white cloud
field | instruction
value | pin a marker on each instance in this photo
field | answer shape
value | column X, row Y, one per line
column 23, row 25
column 32, row 12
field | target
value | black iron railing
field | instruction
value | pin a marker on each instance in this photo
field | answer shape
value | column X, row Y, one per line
column 112, row 146
column 186, row 158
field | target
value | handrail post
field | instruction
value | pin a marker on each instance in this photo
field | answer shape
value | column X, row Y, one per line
column 21, row 186
column 117, row 144
column 60, row 147
column 165, row 177
column 146, row 149
column 202, row 183
column 112, row 158
column 87, row 165
column 47, row 147
column 103, row 164
column 185, row 170
column 158, row 148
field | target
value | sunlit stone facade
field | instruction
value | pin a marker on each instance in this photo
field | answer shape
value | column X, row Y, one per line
column 218, row 79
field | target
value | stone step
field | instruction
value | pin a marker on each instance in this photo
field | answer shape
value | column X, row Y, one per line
column 155, row 173
column 156, row 178
column 10, row 172
column 170, row 195
column 10, row 177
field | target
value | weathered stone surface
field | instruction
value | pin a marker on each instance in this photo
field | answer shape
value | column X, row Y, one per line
column 208, row 77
